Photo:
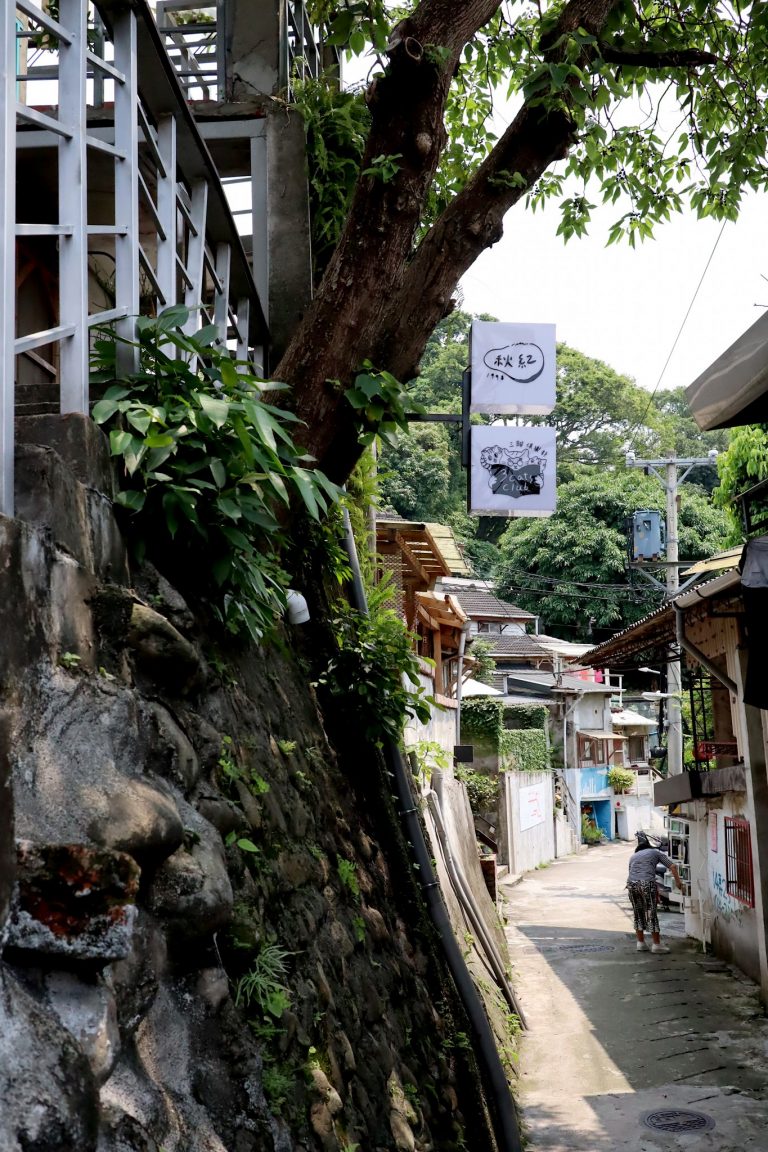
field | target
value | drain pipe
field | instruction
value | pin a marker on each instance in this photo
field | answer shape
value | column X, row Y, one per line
column 467, row 901
column 503, row 1115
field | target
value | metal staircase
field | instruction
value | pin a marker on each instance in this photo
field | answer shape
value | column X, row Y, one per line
column 111, row 203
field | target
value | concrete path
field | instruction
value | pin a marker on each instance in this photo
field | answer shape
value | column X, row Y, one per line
column 619, row 1037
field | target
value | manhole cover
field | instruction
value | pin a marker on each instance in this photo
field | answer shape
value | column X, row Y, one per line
column 677, row 1120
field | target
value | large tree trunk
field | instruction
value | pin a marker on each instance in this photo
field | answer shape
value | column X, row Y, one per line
column 378, row 299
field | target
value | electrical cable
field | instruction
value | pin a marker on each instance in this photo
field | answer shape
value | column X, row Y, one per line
column 679, row 334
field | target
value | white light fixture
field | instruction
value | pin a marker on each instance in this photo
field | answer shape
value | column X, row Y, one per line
column 650, row 671
column 661, row 695
column 298, row 612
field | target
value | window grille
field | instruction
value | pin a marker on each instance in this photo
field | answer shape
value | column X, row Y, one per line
column 738, row 861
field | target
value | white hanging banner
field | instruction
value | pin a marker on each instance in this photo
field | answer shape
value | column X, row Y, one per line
column 513, row 368
column 512, row 470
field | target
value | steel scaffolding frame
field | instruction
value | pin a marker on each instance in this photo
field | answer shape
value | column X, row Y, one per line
column 172, row 235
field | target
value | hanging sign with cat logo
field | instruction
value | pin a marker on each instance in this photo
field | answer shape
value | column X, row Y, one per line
column 512, row 470
column 513, row 368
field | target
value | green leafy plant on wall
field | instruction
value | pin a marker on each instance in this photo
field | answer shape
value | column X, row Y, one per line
column 524, row 750
column 207, row 465
column 526, row 716
column 482, row 717
column 375, row 669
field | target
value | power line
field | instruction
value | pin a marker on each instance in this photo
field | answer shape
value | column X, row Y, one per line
column 570, row 594
column 679, row 333
column 520, row 572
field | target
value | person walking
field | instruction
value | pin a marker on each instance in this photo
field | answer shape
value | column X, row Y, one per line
column 641, row 886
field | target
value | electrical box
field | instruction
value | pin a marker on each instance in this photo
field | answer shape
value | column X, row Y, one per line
column 648, row 535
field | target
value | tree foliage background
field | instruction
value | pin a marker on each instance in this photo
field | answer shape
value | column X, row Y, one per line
column 652, row 107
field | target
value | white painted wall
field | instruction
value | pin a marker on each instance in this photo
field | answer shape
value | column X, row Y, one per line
column 527, row 836
column 441, row 728
column 715, row 916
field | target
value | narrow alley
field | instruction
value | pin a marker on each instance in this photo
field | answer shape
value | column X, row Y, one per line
column 626, row 1050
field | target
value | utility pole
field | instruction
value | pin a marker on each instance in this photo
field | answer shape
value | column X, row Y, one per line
column 671, row 478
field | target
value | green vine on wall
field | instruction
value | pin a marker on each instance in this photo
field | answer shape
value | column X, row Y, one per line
column 375, row 669
column 482, row 717
column 208, row 466
column 524, row 750
column 526, row 715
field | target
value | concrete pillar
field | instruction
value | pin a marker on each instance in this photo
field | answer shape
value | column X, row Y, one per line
column 290, row 251
column 252, row 48
column 256, row 65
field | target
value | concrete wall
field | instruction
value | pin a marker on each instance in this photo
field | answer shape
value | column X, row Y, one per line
column 441, row 728
column 715, row 916
column 527, row 832
column 633, row 813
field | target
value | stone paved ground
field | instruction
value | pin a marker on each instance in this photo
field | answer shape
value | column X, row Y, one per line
column 615, row 1035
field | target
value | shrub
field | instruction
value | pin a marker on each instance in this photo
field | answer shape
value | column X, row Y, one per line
column 482, row 790
column 621, row 779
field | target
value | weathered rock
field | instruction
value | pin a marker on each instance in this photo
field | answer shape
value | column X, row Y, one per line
column 49, row 1098
column 225, row 816
column 161, row 653
column 78, row 441
column 170, row 752
column 7, row 844
column 121, row 1132
column 192, row 890
column 141, row 820
column 87, row 1009
column 136, row 979
column 73, row 901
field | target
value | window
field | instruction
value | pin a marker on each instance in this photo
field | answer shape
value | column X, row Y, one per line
column 738, row 861
column 488, row 626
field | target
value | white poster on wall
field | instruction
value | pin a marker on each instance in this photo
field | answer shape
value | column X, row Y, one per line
column 533, row 806
column 512, row 471
column 513, row 368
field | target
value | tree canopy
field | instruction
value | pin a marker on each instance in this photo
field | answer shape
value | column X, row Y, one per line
column 572, row 569
column 650, row 107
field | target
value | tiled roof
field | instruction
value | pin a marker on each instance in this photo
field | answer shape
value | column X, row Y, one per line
column 513, row 644
column 478, row 599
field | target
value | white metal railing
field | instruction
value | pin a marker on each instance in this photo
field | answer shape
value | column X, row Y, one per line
column 301, row 47
column 138, row 219
column 193, row 39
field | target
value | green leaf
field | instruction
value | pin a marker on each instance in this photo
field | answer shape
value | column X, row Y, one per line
column 247, row 845
column 120, row 442
column 216, row 409
column 130, row 498
column 219, row 472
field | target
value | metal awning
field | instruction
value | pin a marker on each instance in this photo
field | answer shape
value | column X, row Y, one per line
column 595, row 734
column 719, row 563
column 628, row 718
column 734, row 389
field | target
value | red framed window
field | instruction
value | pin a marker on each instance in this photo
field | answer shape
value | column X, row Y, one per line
column 739, row 881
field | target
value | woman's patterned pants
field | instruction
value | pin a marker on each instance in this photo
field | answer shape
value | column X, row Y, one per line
column 642, row 894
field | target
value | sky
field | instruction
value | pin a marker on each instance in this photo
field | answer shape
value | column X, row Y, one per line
column 625, row 306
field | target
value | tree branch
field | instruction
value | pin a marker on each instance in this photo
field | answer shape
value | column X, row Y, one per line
column 673, row 58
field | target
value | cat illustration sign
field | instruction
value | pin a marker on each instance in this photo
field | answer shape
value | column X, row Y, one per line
column 513, row 368
column 512, row 470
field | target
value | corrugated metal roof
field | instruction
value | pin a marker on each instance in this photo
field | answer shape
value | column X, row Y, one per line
column 719, row 563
